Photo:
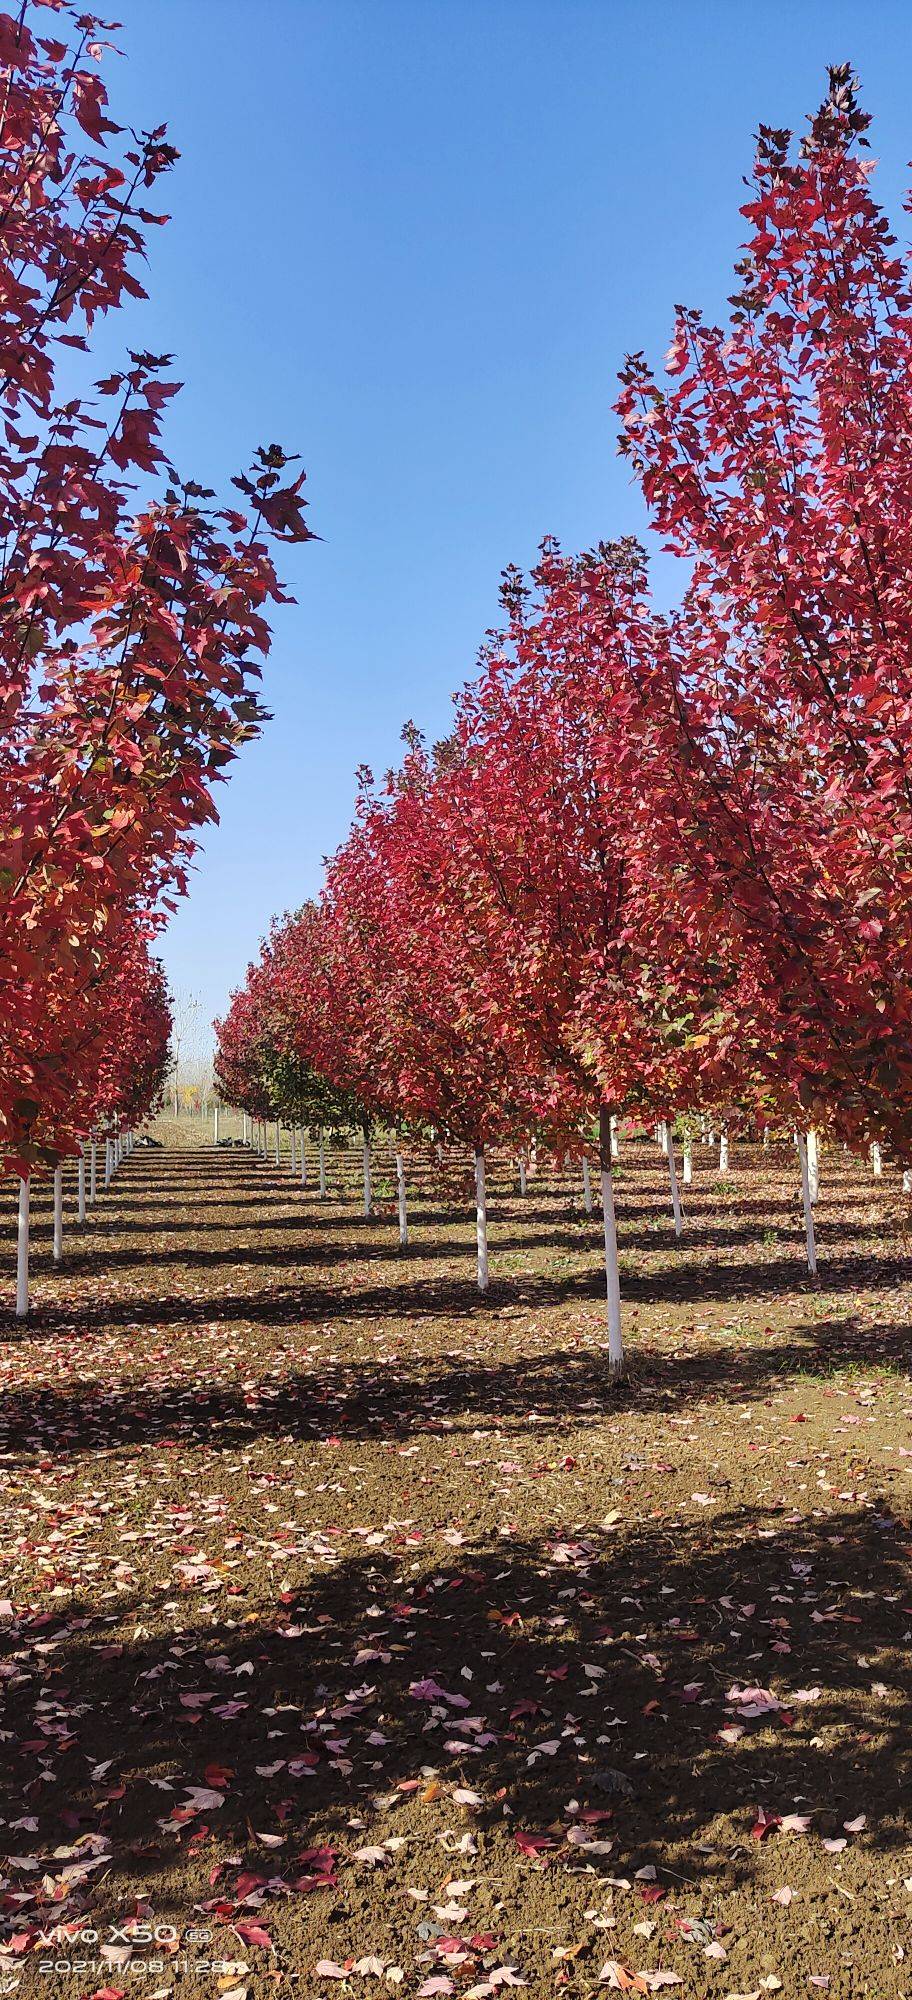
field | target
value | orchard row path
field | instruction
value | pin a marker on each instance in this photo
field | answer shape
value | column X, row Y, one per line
column 356, row 1637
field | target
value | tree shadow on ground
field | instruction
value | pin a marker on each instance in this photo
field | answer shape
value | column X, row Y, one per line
column 673, row 1281
column 599, row 1670
column 564, row 1388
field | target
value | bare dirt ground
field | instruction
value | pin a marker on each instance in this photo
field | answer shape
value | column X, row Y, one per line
column 356, row 1636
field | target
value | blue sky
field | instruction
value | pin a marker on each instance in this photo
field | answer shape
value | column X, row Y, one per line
column 413, row 240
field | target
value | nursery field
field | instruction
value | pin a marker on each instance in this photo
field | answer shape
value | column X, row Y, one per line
column 357, row 1636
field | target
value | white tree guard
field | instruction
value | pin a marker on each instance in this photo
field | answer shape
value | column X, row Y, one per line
column 81, row 1186
column 368, row 1189
column 687, row 1175
column 403, row 1208
column 481, row 1219
column 58, row 1214
column 807, row 1205
column 22, row 1249
column 813, row 1153
column 675, row 1192
column 616, row 1363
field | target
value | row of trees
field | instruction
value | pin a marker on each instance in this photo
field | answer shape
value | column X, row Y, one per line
column 132, row 607
column 663, row 862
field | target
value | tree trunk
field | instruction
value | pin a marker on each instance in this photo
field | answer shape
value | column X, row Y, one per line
column 587, row 1186
column 673, row 1177
column 403, row 1210
column 876, row 1159
column 723, row 1152
column 808, row 1210
column 615, row 1146
column 688, row 1161
column 58, row 1214
column 302, row 1149
column 368, row 1191
column 278, row 1145
column 481, row 1219
column 616, row 1363
column 522, row 1175
column 322, row 1164
column 81, row 1187
column 215, row 1124
column 22, row 1250
column 813, row 1165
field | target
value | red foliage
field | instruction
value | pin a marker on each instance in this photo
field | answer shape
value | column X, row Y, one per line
column 132, row 621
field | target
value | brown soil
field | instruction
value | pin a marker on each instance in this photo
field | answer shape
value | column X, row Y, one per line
column 453, row 1637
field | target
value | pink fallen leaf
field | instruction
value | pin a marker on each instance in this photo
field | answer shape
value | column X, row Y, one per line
column 533, row 1843
column 254, row 1934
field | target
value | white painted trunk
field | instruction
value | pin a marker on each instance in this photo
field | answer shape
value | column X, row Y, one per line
column 58, row 1214
column 907, row 1180
column 403, row 1210
column 215, row 1124
column 587, row 1186
column 109, row 1162
column 293, row 1166
column 675, row 1194
column 615, row 1146
column 876, row 1159
column 616, row 1365
column 688, row 1161
column 368, row 1190
column 278, row 1145
column 723, row 1150
column 481, row 1219
column 322, row 1165
column 766, row 1137
column 22, row 1250
column 808, row 1209
column 81, row 1187
column 93, row 1171
column 302, row 1149
column 813, row 1154
column 612, row 1278
column 522, row 1176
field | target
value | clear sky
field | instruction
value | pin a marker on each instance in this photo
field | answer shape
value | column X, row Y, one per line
column 413, row 240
